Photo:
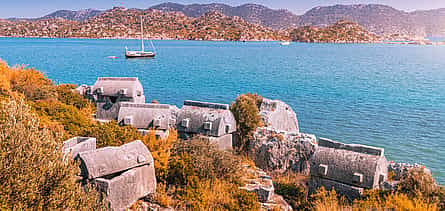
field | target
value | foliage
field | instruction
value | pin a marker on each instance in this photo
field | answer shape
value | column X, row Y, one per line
column 208, row 179
column 34, row 173
column 246, row 112
column 31, row 83
column 324, row 200
column 218, row 195
column 161, row 150
column 419, row 184
column 208, row 162
column 293, row 189
column 111, row 134
column 379, row 200
column 71, row 118
column 66, row 95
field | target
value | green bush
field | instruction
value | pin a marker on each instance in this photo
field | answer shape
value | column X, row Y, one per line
column 292, row 187
column 208, row 162
column 246, row 112
column 111, row 134
column 34, row 173
column 418, row 184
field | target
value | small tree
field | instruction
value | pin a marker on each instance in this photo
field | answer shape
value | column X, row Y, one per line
column 246, row 112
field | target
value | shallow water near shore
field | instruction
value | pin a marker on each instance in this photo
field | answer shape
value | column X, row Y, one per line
column 390, row 96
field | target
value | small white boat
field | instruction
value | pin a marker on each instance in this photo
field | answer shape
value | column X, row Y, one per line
column 142, row 53
column 285, row 43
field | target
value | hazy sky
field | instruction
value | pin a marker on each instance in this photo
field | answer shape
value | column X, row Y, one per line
column 37, row 8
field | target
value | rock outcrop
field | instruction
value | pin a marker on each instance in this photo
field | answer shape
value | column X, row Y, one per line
column 279, row 145
column 282, row 153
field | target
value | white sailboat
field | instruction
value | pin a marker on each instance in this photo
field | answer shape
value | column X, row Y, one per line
column 285, row 43
column 142, row 53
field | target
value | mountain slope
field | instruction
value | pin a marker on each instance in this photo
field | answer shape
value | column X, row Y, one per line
column 252, row 13
column 79, row 15
column 380, row 19
column 340, row 32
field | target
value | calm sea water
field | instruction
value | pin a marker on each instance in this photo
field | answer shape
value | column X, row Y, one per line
column 390, row 96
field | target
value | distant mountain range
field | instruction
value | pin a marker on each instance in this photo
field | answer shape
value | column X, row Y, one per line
column 79, row 15
column 379, row 19
column 253, row 13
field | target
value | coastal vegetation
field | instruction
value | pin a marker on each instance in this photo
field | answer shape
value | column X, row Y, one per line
column 36, row 116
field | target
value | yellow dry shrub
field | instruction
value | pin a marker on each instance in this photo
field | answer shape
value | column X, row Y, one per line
column 392, row 201
column 218, row 195
column 32, row 84
column 5, row 78
column 327, row 201
column 161, row 150
column 162, row 196
column 34, row 174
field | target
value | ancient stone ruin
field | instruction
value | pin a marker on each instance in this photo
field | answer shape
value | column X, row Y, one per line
column 109, row 92
column 123, row 174
column 126, row 173
column 210, row 120
column 145, row 116
column 347, row 168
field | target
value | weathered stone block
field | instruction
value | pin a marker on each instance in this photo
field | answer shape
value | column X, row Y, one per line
column 349, row 191
column 111, row 160
column 124, row 190
column 77, row 145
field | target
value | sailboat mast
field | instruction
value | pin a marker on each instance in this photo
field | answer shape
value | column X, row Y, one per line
column 142, row 33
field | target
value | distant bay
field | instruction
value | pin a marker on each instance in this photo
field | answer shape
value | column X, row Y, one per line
column 390, row 96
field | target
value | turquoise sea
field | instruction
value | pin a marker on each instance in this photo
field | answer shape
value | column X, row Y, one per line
column 390, row 96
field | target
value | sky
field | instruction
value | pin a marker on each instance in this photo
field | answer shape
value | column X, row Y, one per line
column 38, row 8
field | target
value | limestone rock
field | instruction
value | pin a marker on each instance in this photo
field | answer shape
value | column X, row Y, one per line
column 279, row 116
column 283, row 154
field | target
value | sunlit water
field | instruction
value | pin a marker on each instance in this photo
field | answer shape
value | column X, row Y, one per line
column 390, row 96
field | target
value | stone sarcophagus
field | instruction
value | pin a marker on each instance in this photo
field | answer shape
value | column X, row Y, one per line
column 124, row 174
column 213, row 120
column 347, row 168
column 148, row 116
column 109, row 92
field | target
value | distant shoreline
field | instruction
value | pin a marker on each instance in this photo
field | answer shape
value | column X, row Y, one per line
column 388, row 42
column 175, row 39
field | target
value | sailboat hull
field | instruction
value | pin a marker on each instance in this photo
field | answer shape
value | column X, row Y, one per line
column 133, row 54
